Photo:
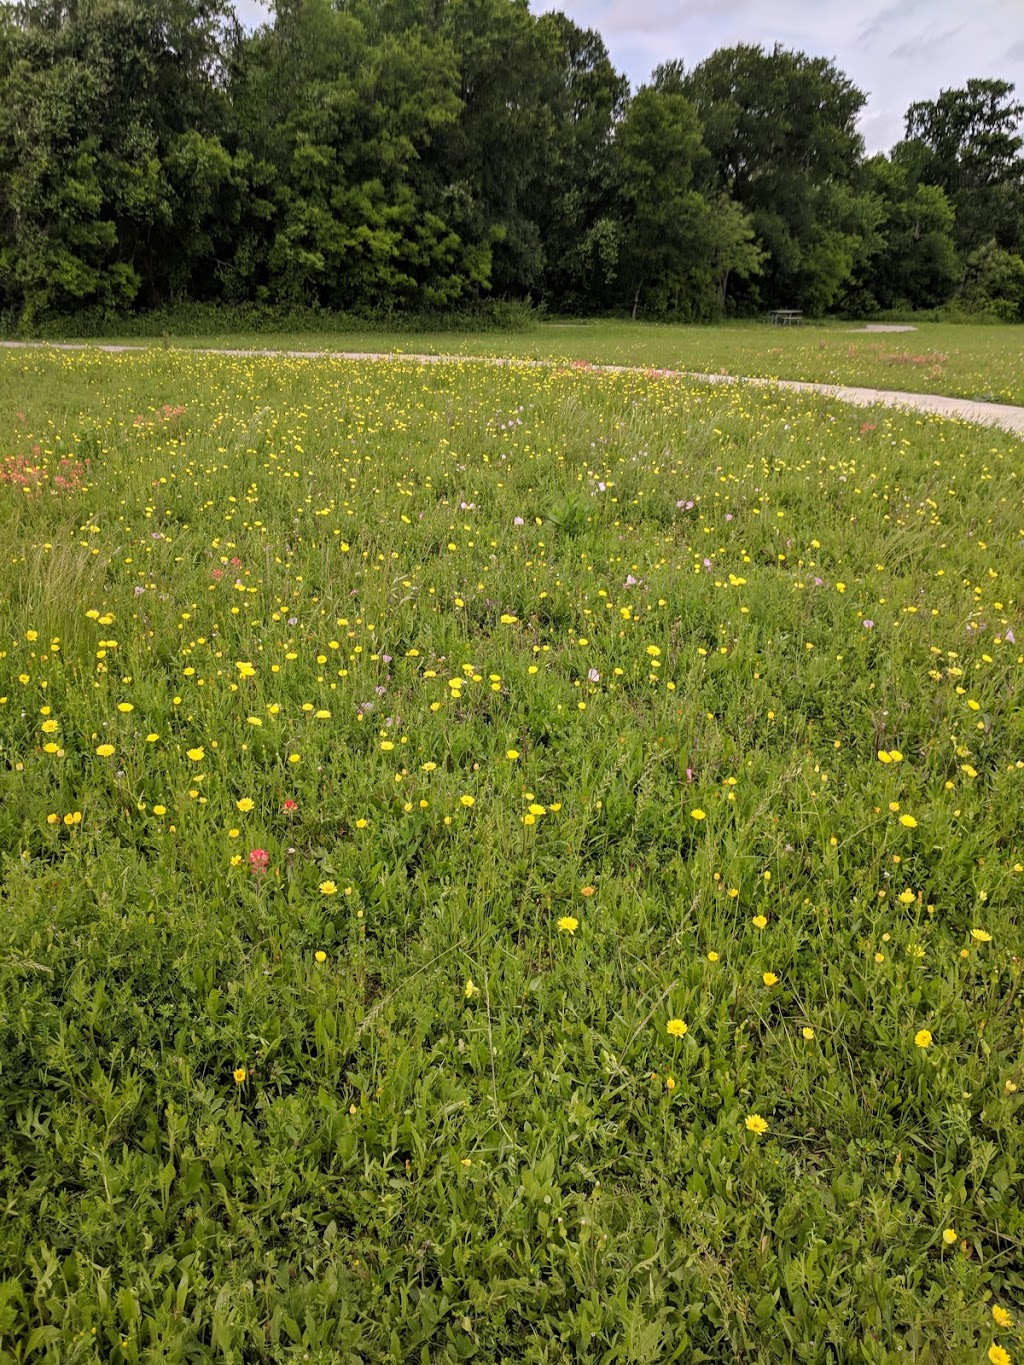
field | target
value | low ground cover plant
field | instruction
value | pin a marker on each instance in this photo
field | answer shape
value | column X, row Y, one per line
column 983, row 363
column 504, row 863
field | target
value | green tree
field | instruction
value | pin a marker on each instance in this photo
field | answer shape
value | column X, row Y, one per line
column 915, row 263
column 571, row 193
column 675, row 249
column 780, row 129
column 994, row 282
column 97, row 95
column 346, row 110
column 970, row 143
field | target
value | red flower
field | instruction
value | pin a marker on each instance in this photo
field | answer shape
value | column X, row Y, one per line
column 259, row 859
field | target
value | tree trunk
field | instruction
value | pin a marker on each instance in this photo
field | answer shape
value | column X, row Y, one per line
column 636, row 302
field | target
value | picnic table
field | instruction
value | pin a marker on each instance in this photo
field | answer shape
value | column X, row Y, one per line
column 786, row 317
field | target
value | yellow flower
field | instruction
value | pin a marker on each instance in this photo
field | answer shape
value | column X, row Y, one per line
column 159, row 810
column 677, row 1028
column 568, row 924
column 196, row 755
column 698, row 814
column 1009, row 1087
column 319, row 955
column 469, row 990
column 152, row 738
column 105, row 750
column 949, row 1236
column 511, row 755
column 769, row 978
column 1001, row 1317
column 712, row 957
column 906, row 898
column 49, row 727
column 467, row 800
column 908, row 822
column 125, row 707
column 754, row 1123
column 759, row 921
column 923, row 1038
column 246, row 803
column 997, row 1356
column 807, row 1033
column 361, row 823
column 507, row 619
column 239, row 1074
column 981, row 936
column 328, row 889
column 670, row 1083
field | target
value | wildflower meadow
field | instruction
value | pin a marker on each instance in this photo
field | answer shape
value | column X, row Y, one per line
column 509, row 864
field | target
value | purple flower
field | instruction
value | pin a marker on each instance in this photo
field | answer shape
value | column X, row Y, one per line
column 868, row 625
column 593, row 675
column 517, row 521
column 728, row 516
column 1011, row 637
column 685, row 504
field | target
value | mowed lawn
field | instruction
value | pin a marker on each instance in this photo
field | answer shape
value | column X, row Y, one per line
column 985, row 363
column 505, row 864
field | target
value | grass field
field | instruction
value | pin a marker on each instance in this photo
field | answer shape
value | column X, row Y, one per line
column 504, row 864
column 978, row 362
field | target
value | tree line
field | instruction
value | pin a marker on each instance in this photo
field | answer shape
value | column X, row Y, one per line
column 388, row 156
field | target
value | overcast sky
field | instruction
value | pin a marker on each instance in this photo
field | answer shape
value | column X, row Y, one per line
column 896, row 51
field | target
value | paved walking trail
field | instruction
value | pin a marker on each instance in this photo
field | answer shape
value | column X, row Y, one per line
column 965, row 409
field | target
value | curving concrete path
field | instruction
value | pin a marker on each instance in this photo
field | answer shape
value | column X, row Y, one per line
column 1003, row 415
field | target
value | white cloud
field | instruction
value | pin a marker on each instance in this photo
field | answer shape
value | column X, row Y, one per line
column 895, row 52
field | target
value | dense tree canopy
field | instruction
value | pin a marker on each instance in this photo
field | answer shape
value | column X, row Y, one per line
column 424, row 155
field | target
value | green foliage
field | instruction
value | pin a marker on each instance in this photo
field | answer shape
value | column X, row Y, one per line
column 412, row 156
column 969, row 143
column 914, row 263
column 994, row 282
column 781, row 139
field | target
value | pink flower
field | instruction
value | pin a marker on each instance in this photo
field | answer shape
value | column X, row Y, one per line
column 259, row 859
column 290, row 805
